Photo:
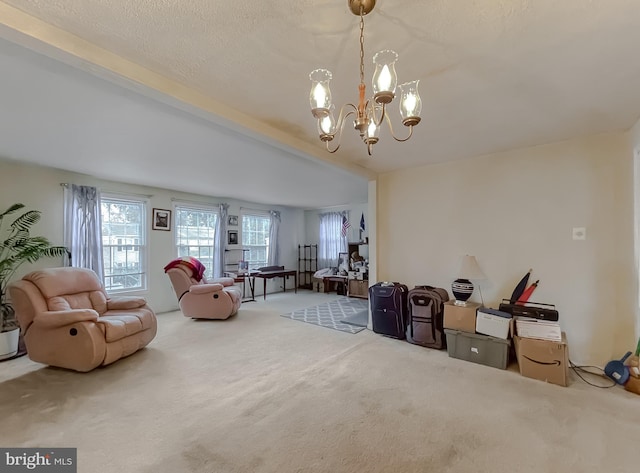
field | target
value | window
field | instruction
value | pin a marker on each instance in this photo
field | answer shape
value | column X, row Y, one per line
column 195, row 234
column 123, row 243
column 255, row 238
column 331, row 240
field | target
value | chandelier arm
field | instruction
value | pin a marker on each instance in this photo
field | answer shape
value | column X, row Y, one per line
column 333, row 150
column 342, row 119
column 394, row 135
column 383, row 115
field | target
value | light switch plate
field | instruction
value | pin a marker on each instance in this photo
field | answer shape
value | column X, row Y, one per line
column 579, row 233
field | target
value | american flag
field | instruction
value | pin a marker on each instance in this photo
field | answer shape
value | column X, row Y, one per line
column 345, row 225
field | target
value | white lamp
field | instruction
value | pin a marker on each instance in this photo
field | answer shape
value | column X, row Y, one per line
column 462, row 288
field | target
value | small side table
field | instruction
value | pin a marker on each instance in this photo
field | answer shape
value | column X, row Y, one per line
column 244, row 279
column 335, row 283
column 359, row 288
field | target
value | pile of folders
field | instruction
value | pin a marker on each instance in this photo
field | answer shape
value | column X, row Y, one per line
column 534, row 320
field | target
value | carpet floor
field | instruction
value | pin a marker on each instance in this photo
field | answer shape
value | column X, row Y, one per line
column 359, row 319
column 260, row 393
column 334, row 314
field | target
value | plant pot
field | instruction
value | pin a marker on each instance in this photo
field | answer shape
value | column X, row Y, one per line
column 22, row 347
column 9, row 343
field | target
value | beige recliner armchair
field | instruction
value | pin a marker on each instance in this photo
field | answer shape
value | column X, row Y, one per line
column 199, row 298
column 68, row 320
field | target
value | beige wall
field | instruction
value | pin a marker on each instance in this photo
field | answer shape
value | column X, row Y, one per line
column 39, row 189
column 516, row 211
column 634, row 138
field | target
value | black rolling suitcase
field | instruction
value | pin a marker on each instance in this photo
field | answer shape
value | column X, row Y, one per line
column 389, row 309
column 426, row 316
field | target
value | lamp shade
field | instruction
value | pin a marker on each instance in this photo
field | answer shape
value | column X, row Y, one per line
column 469, row 269
column 410, row 103
column 372, row 130
column 327, row 124
column 384, row 79
column 320, row 95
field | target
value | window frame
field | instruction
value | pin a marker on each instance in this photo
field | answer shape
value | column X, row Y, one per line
column 212, row 208
column 124, row 245
column 259, row 214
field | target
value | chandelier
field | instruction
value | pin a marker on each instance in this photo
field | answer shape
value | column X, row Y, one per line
column 369, row 114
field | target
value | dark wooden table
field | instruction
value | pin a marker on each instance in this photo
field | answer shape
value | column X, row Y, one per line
column 245, row 278
column 280, row 273
column 335, row 283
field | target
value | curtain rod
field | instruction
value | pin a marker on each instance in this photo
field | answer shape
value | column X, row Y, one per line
column 345, row 207
column 254, row 210
column 107, row 191
column 199, row 202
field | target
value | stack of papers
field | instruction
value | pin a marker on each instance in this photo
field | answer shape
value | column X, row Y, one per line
column 541, row 329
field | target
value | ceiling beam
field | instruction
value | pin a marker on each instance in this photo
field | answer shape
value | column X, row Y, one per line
column 21, row 28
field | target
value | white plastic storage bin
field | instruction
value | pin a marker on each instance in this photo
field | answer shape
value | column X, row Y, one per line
column 493, row 322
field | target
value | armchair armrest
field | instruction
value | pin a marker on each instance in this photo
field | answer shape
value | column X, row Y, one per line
column 225, row 280
column 205, row 288
column 60, row 318
column 125, row 302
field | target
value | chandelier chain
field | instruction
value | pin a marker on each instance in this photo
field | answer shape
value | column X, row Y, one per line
column 361, row 44
column 368, row 113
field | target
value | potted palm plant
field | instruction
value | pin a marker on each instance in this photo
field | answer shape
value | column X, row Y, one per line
column 17, row 247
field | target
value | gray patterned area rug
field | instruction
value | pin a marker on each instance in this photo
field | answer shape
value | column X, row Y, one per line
column 331, row 314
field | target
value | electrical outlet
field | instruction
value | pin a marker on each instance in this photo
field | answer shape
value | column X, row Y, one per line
column 579, row 233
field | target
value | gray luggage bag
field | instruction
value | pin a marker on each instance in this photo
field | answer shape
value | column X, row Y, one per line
column 426, row 316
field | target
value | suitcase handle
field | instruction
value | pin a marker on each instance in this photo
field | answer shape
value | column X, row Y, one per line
column 419, row 300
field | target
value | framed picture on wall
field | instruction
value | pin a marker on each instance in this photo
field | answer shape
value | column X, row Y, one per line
column 343, row 262
column 161, row 219
column 233, row 237
column 233, row 220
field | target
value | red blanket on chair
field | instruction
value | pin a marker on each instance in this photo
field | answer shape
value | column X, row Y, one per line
column 196, row 267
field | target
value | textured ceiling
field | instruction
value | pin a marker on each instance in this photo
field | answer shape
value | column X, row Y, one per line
column 494, row 75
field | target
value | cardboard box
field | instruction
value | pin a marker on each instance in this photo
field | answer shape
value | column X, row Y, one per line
column 633, row 363
column 493, row 323
column 633, row 385
column 477, row 348
column 458, row 317
column 543, row 359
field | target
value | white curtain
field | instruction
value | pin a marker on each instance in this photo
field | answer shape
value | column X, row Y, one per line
column 331, row 241
column 274, row 229
column 82, row 227
column 220, row 243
